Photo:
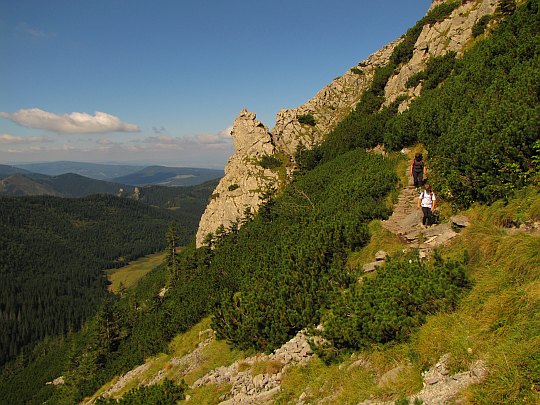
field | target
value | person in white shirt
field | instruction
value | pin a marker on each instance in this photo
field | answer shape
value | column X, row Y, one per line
column 427, row 202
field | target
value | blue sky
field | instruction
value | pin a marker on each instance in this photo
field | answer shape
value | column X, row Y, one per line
column 160, row 82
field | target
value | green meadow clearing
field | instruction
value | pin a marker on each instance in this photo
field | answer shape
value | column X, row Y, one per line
column 128, row 276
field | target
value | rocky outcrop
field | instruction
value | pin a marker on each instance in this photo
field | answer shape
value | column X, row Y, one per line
column 439, row 386
column 329, row 106
column 245, row 179
column 452, row 34
column 261, row 387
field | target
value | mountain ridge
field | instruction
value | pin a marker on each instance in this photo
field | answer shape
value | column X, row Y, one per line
column 447, row 27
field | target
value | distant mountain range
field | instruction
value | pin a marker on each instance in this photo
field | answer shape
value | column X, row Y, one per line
column 93, row 170
column 49, row 178
column 126, row 174
column 6, row 171
column 64, row 185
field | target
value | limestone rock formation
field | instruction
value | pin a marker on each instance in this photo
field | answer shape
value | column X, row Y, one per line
column 329, row 106
column 245, row 179
column 452, row 34
column 260, row 388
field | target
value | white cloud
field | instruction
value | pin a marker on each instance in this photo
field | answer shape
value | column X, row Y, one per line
column 164, row 139
column 13, row 139
column 226, row 133
column 197, row 151
column 74, row 123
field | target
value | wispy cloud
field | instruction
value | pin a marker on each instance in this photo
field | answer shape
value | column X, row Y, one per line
column 159, row 130
column 26, row 29
column 221, row 140
column 106, row 142
column 13, row 139
column 74, row 123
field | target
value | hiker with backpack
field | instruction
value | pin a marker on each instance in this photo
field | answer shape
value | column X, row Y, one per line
column 427, row 202
column 418, row 170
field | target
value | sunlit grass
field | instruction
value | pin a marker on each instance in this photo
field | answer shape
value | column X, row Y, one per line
column 381, row 239
column 209, row 394
column 497, row 322
column 336, row 384
column 128, row 276
column 216, row 354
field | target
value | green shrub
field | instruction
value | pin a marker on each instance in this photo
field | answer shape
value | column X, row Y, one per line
column 233, row 187
column 307, row 119
column 480, row 26
column 289, row 262
column 441, row 12
column 270, row 162
column 357, row 71
column 403, row 52
column 394, row 303
column 481, row 125
column 506, row 6
column 438, row 69
column 415, row 79
column 382, row 74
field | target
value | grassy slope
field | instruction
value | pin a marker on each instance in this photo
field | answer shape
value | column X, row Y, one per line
column 127, row 276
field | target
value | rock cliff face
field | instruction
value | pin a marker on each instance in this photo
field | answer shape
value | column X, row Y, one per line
column 245, row 179
column 329, row 106
column 452, row 34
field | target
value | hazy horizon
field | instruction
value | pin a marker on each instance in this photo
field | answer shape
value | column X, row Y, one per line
column 111, row 163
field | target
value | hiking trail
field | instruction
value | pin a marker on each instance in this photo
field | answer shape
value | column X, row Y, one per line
column 406, row 223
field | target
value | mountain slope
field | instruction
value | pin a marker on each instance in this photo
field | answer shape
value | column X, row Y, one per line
column 382, row 76
column 92, row 170
column 26, row 184
column 6, row 171
column 169, row 176
column 53, row 253
column 64, row 185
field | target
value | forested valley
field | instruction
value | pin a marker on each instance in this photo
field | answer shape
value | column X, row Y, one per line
column 55, row 251
column 285, row 268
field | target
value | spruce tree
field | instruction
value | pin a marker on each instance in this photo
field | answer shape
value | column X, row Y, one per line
column 171, row 257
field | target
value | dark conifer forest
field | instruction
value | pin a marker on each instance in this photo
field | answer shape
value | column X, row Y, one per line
column 54, row 251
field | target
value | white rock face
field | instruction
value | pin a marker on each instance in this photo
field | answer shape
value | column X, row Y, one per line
column 452, row 34
column 244, row 181
column 329, row 106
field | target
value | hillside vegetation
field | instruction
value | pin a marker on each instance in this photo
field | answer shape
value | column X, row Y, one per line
column 288, row 268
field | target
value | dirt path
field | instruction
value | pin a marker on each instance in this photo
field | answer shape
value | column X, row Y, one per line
column 406, row 222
